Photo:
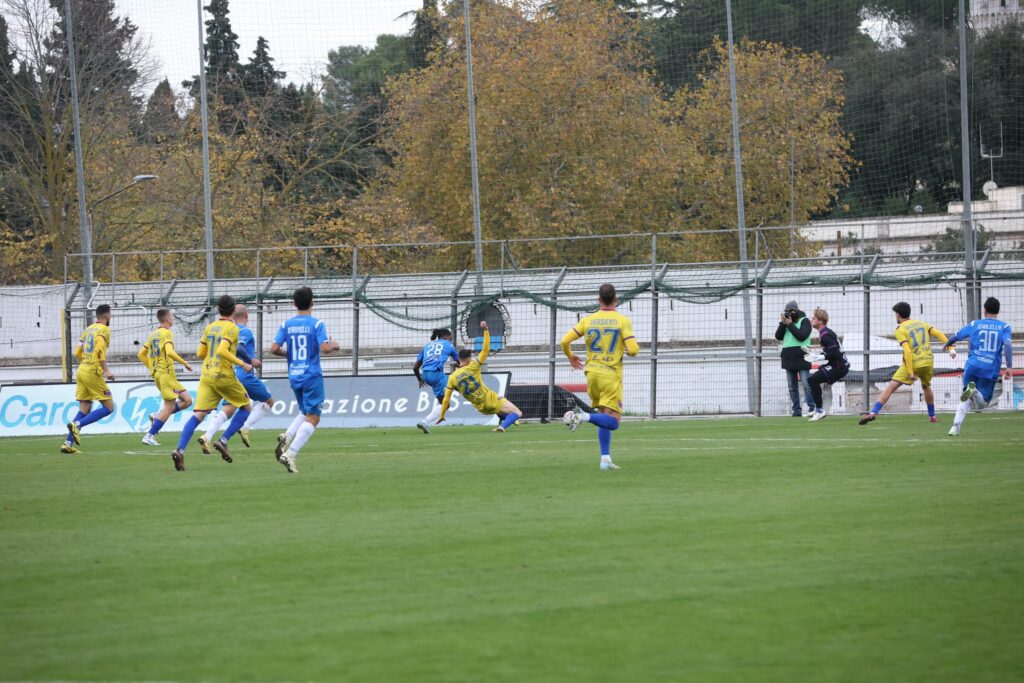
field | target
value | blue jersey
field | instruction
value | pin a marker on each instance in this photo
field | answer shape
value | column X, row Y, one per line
column 990, row 339
column 247, row 342
column 435, row 353
column 302, row 335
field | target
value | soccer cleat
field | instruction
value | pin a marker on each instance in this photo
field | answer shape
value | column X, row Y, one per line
column 243, row 434
column 571, row 420
column 222, row 448
column 288, row 460
column 204, row 443
column 282, row 445
column 968, row 392
column 423, row 427
column 932, row 418
column 609, row 466
column 149, row 440
column 76, row 435
column 867, row 417
column 179, row 460
column 499, row 429
column 69, row 449
column 954, row 430
column 818, row 415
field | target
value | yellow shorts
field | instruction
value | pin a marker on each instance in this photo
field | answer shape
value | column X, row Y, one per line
column 489, row 404
column 91, row 386
column 211, row 391
column 923, row 373
column 168, row 386
column 605, row 391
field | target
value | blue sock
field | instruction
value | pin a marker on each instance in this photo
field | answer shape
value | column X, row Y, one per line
column 237, row 420
column 154, row 428
column 177, row 407
column 187, row 432
column 78, row 416
column 931, row 410
column 877, row 408
column 94, row 416
column 509, row 420
column 605, row 421
column 604, row 438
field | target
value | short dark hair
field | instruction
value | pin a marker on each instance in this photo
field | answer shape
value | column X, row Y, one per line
column 992, row 305
column 441, row 333
column 162, row 314
column 226, row 305
column 303, row 298
column 465, row 354
column 606, row 294
column 103, row 309
column 902, row 309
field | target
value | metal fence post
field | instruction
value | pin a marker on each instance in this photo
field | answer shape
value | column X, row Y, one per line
column 865, row 275
column 455, row 305
column 552, row 341
column 259, row 314
column 355, row 311
column 65, row 331
column 759, row 361
column 653, row 410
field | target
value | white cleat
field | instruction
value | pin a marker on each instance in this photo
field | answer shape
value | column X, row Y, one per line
column 818, row 415
column 283, row 442
column 571, row 420
column 609, row 466
column 422, row 426
column 288, row 460
column 150, row 440
column 954, row 430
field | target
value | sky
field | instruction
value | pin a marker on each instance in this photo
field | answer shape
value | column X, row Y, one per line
column 301, row 32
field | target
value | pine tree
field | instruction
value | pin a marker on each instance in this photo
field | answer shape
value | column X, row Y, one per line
column 425, row 33
column 161, row 122
column 222, row 65
column 260, row 75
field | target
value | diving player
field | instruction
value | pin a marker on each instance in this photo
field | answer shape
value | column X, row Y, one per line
column 91, row 381
column 918, row 362
column 990, row 340
column 468, row 381
column 431, row 360
column 608, row 333
column 159, row 357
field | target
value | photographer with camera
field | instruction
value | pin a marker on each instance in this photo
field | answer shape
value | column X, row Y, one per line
column 794, row 332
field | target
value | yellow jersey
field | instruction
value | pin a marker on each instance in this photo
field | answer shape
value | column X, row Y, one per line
column 468, row 381
column 159, row 362
column 95, row 341
column 609, row 335
column 915, row 338
column 215, row 367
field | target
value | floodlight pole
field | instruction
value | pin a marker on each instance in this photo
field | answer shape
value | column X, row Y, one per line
column 967, row 225
column 207, row 203
column 473, row 167
column 83, row 210
column 741, row 218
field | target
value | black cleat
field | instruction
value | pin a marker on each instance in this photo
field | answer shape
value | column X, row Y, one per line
column 222, row 448
column 867, row 417
column 179, row 460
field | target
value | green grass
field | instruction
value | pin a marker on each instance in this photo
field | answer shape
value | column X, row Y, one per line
column 724, row 550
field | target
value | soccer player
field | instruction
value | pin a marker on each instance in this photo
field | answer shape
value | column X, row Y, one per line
column 159, row 357
column 91, row 381
column 990, row 340
column 915, row 338
column 608, row 333
column 301, row 339
column 217, row 381
column 255, row 387
column 431, row 361
column 469, row 382
column 836, row 366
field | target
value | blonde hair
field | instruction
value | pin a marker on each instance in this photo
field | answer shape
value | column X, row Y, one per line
column 821, row 314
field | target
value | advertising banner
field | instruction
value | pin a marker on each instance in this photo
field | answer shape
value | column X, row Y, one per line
column 364, row 401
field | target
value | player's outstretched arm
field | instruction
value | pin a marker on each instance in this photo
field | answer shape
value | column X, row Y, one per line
column 485, row 351
column 938, row 335
column 224, row 352
column 444, row 404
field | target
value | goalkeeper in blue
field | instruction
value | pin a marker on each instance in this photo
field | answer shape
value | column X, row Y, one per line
column 989, row 344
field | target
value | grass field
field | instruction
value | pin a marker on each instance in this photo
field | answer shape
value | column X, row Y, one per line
column 724, row 550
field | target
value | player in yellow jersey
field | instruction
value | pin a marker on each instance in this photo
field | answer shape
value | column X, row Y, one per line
column 91, row 381
column 915, row 338
column 159, row 356
column 608, row 335
column 468, row 381
column 217, row 381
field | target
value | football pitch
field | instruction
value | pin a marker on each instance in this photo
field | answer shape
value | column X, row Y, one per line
column 724, row 550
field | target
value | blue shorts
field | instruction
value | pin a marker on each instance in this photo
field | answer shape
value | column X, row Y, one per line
column 310, row 396
column 986, row 385
column 255, row 388
column 437, row 380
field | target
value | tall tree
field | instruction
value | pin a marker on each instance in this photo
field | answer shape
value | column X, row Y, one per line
column 222, row 64
column 426, row 31
column 161, row 122
column 260, row 76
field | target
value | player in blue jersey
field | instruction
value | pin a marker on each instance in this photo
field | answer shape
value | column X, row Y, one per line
column 301, row 339
column 255, row 387
column 990, row 341
column 429, row 370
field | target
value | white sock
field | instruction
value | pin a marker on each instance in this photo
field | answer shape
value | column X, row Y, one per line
column 979, row 401
column 216, row 422
column 585, row 417
column 435, row 413
column 293, row 428
column 606, row 458
column 259, row 411
column 302, row 436
column 961, row 412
